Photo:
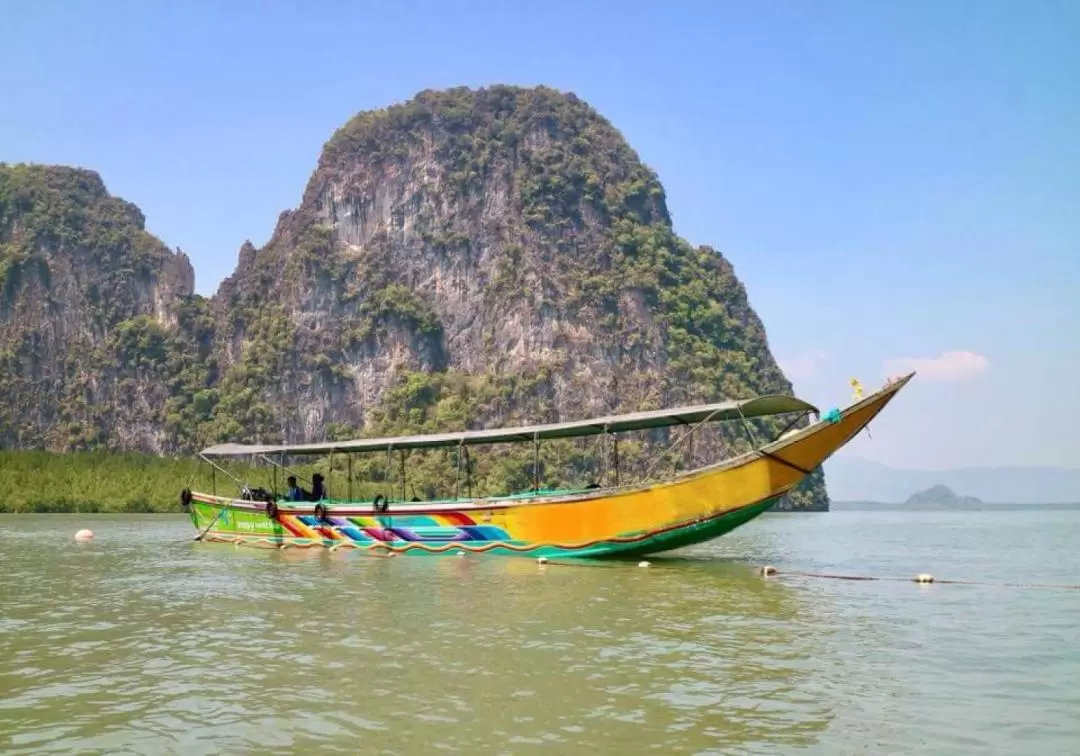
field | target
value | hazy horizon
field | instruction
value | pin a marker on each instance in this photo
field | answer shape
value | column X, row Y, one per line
column 852, row 478
column 932, row 468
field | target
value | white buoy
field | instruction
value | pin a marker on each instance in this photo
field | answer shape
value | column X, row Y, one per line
column 768, row 570
column 542, row 560
column 924, row 578
column 84, row 535
column 643, row 563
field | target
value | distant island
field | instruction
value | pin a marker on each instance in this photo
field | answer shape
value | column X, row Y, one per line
column 940, row 497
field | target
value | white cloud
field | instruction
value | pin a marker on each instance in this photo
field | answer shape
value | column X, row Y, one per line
column 801, row 368
column 948, row 366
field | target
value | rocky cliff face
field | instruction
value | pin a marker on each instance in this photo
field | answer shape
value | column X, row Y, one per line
column 467, row 257
column 90, row 314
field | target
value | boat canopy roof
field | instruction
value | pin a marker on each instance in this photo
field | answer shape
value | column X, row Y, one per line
column 774, row 404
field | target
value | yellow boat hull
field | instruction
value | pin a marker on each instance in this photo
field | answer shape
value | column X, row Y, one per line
column 634, row 520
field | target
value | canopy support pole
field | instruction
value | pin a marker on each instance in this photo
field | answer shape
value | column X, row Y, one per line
column 615, row 439
column 603, row 456
column 389, row 466
column 348, row 459
column 457, row 478
column 468, row 473
column 403, row 496
column 536, row 461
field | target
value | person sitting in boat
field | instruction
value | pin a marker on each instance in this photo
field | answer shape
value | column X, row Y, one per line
column 295, row 492
column 318, row 488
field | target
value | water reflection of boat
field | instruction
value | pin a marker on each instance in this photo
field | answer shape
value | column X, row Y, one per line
column 598, row 521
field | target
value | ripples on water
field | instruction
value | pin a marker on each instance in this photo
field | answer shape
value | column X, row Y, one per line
column 144, row 642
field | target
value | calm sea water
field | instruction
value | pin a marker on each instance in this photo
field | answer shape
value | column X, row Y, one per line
column 144, row 642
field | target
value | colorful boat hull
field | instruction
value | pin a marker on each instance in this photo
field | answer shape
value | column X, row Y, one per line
column 631, row 521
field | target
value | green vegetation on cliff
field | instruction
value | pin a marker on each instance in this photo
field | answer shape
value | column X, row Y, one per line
column 582, row 193
column 47, row 208
column 89, row 350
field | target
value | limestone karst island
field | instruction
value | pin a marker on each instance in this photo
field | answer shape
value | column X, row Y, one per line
column 467, row 259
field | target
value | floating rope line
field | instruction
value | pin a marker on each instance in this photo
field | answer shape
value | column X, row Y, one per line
column 923, row 579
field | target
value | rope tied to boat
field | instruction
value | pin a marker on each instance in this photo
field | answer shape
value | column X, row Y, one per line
column 689, row 434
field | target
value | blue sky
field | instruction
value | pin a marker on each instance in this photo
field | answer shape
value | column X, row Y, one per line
column 893, row 181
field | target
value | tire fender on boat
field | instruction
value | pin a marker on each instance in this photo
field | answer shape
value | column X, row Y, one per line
column 320, row 513
column 380, row 504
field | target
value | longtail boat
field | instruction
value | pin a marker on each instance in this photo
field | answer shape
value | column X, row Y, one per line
column 599, row 521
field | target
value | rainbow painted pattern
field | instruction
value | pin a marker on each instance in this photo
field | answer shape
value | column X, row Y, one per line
column 434, row 533
column 449, row 527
